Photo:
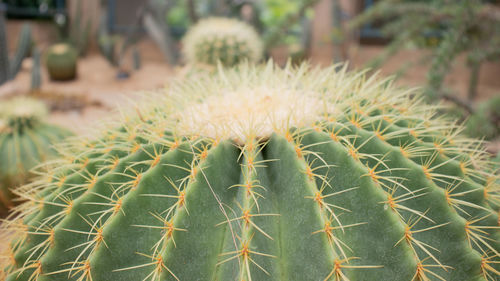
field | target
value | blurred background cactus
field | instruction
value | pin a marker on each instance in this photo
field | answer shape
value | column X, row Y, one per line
column 278, row 22
column 26, row 140
column 61, row 60
column 36, row 70
column 483, row 122
column 136, row 59
column 448, row 30
column 223, row 40
column 10, row 67
column 74, row 30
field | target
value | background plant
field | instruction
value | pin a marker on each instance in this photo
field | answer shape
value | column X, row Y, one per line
column 10, row 66
column 278, row 22
column 448, row 29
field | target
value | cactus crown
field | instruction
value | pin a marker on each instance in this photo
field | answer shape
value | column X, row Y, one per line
column 60, row 48
column 20, row 113
column 373, row 186
column 229, row 41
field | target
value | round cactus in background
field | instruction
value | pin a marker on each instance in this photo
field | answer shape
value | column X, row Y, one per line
column 262, row 173
column 62, row 62
column 25, row 142
column 229, row 41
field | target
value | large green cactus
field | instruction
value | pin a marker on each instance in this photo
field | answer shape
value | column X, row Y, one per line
column 262, row 173
column 25, row 141
column 221, row 39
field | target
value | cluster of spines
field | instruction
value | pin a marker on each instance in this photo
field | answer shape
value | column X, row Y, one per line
column 446, row 163
column 449, row 169
column 69, row 187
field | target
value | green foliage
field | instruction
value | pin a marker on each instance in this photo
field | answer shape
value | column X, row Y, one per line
column 485, row 121
column 264, row 173
column 61, row 61
column 278, row 22
column 447, row 28
column 276, row 12
column 177, row 18
column 25, row 141
column 107, row 42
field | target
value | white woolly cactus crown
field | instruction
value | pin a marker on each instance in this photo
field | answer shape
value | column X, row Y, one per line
column 227, row 40
column 23, row 107
column 265, row 173
column 22, row 110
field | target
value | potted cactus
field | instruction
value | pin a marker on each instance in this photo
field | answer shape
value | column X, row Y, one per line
column 224, row 40
column 62, row 62
column 25, row 141
column 263, row 173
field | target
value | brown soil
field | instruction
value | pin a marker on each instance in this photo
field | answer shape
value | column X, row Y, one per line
column 94, row 94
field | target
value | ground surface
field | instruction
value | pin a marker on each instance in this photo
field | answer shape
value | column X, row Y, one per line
column 94, row 94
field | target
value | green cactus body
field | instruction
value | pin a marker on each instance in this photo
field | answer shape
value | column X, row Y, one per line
column 36, row 71
column 221, row 39
column 263, row 173
column 62, row 62
column 10, row 68
column 22, row 51
column 25, row 142
column 136, row 59
column 107, row 45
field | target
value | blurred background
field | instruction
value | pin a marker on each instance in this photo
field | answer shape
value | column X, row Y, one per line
column 120, row 48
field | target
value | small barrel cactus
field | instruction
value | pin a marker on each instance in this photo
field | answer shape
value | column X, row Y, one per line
column 221, row 39
column 25, row 141
column 262, row 173
column 61, row 62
